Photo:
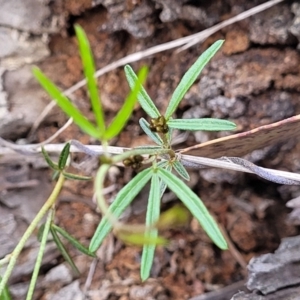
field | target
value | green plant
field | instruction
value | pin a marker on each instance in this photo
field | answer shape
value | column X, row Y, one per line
column 5, row 295
column 97, row 130
column 162, row 159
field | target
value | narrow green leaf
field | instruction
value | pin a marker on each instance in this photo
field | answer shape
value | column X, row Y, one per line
column 89, row 71
column 180, row 169
column 5, row 294
column 73, row 241
column 41, row 232
column 125, row 112
column 162, row 184
column 190, row 76
column 152, row 135
column 144, row 99
column 206, row 124
column 76, row 177
column 63, row 157
column 65, row 104
column 63, row 251
column 195, row 205
column 123, row 199
column 152, row 216
column 164, row 164
column 49, row 161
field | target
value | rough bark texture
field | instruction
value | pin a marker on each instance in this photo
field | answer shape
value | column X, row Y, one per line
column 254, row 80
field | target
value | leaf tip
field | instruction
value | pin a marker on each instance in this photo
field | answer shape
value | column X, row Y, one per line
column 144, row 277
column 223, row 245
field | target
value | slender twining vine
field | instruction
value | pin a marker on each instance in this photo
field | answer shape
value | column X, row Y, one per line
column 161, row 157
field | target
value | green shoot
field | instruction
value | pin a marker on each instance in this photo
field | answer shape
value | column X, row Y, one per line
column 89, row 71
column 201, row 124
column 65, row 104
column 144, row 99
column 125, row 112
column 153, row 210
column 190, row 76
column 195, row 205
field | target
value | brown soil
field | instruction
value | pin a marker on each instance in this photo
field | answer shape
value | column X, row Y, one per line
column 256, row 71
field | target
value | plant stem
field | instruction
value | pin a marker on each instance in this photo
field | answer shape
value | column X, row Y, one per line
column 99, row 187
column 14, row 255
column 99, row 196
column 165, row 140
column 40, row 256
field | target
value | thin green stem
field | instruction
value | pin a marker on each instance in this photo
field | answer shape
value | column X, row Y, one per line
column 40, row 256
column 99, row 180
column 14, row 255
column 165, row 140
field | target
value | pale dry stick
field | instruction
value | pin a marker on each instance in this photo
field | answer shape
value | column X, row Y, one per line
column 199, row 162
column 242, row 16
column 260, row 171
column 200, row 36
column 90, row 275
column 95, row 150
column 32, row 148
column 233, row 250
column 235, row 164
column 18, row 185
column 231, row 247
column 57, row 133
